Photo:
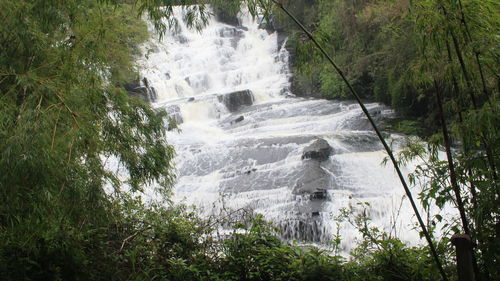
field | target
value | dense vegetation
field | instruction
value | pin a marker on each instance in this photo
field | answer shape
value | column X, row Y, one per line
column 64, row 113
column 383, row 47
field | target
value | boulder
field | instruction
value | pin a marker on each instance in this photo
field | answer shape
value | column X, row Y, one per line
column 318, row 194
column 236, row 100
column 226, row 17
column 132, row 85
column 239, row 119
column 319, row 150
column 310, row 178
column 249, row 171
column 140, row 90
column 145, row 82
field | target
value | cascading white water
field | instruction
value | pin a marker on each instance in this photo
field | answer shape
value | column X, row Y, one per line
column 250, row 155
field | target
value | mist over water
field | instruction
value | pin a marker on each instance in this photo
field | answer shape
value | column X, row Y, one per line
column 252, row 157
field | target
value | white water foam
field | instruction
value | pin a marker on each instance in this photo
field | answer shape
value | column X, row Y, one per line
column 256, row 163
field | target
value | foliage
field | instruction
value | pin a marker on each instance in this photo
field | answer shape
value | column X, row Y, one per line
column 373, row 42
column 63, row 114
column 405, row 126
column 382, row 256
column 432, row 175
column 255, row 252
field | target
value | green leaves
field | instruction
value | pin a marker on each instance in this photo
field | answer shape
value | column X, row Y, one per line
column 62, row 111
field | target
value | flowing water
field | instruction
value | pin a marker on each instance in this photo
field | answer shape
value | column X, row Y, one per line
column 245, row 149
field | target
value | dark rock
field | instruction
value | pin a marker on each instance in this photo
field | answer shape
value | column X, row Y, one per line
column 146, row 82
column 236, row 100
column 303, row 89
column 265, row 25
column 132, row 85
column 191, row 99
column 271, row 24
column 230, row 32
column 239, row 119
column 315, row 214
column 143, row 91
column 310, row 178
column 319, row 150
column 319, row 194
column 226, row 17
column 154, row 94
column 248, row 172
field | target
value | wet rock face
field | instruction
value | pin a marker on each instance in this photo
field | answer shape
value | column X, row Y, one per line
column 235, row 34
column 230, row 32
column 310, row 178
column 239, row 119
column 236, row 100
column 305, row 228
column 134, row 88
column 141, row 90
column 319, row 150
column 319, row 194
column 271, row 25
column 225, row 17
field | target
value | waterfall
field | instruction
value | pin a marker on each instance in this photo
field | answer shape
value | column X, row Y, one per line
column 245, row 141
